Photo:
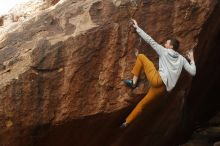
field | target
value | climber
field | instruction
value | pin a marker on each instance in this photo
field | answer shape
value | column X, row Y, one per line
column 163, row 80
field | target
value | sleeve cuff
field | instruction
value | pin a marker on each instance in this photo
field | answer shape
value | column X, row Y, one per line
column 192, row 62
column 138, row 29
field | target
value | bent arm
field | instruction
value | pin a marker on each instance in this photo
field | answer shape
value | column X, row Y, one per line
column 157, row 47
column 190, row 68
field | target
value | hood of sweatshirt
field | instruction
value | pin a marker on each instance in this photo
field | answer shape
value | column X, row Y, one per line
column 173, row 54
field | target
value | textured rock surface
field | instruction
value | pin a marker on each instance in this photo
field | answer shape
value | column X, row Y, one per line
column 1, row 20
column 61, row 73
column 207, row 134
column 24, row 11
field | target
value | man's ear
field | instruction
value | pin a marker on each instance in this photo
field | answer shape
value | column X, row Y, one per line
column 171, row 46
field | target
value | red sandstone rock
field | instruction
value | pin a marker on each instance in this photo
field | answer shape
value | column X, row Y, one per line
column 54, row 2
column 62, row 80
column 1, row 20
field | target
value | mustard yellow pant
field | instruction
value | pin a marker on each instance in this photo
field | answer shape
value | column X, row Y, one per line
column 157, row 87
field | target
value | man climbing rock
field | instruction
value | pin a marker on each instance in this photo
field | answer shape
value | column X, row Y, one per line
column 165, row 79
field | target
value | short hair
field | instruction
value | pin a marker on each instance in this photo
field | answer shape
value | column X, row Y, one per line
column 175, row 43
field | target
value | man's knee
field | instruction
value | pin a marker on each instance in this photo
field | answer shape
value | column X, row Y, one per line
column 141, row 56
column 144, row 59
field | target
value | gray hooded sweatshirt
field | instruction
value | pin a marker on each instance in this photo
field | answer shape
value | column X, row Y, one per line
column 170, row 62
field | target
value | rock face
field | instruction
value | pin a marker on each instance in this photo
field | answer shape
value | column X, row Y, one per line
column 1, row 20
column 62, row 71
column 207, row 134
column 23, row 11
column 54, row 2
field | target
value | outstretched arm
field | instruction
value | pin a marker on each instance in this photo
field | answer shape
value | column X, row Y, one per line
column 190, row 68
column 157, row 47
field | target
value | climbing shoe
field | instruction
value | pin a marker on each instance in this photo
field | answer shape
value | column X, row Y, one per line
column 123, row 125
column 129, row 83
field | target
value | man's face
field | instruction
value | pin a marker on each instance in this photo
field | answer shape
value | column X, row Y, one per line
column 168, row 45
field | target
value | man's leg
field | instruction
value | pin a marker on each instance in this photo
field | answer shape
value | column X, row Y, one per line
column 151, row 95
column 149, row 69
column 157, row 86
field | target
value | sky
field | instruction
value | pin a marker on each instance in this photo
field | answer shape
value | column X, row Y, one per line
column 6, row 5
